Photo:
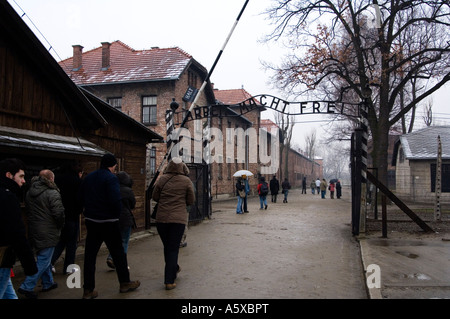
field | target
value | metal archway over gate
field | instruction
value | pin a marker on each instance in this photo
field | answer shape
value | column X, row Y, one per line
column 200, row 172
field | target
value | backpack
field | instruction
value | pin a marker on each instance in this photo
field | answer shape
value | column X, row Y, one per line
column 264, row 190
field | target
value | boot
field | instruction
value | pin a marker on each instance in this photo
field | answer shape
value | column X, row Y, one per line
column 90, row 294
column 171, row 286
column 129, row 286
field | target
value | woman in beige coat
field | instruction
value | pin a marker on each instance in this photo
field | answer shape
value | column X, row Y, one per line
column 173, row 191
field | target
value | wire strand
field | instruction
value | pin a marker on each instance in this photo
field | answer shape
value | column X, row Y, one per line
column 37, row 29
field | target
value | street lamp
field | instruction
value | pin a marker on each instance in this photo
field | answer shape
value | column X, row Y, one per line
column 174, row 105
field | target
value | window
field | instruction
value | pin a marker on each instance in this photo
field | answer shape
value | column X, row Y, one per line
column 149, row 109
column 229, row 136
column 115, row 102
column 153, row 160
column 401, row 154
column 192, row 79
column 445, row 178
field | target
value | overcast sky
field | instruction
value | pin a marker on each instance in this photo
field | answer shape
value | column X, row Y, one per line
column 199, row 27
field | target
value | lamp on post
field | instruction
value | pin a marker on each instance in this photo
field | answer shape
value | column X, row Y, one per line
column 174, row 105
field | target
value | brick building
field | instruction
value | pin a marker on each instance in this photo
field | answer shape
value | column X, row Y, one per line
column 143, row 83
column 140, row 83
column 299, row 166
column 222, row 179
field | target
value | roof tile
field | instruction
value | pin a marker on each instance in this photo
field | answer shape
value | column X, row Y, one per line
column 230, row 97
column 422, row 144
column 128, row 65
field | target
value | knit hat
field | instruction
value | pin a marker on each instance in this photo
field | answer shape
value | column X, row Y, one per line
column 108, row 160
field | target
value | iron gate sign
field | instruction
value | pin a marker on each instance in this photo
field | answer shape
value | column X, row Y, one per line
column 276, row 104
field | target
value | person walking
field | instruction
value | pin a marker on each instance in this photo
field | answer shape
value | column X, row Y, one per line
column 313, row 187
column 338, row 189
column 274, row 185
column 126, row 218
column 318, row 186
column 323, row 187
column 304, row 185
column 173, row 191
column 247, row 191
column 69, row 182
column 263, row 190
column 100, row 194
column 13, row 240
column 331, row 188
column 45, row 216
column 240, row 193
column 286, row 186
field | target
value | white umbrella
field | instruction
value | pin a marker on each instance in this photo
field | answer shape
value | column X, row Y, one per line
column 242, row 172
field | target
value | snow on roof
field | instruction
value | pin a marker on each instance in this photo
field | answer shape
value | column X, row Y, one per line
column 128, row 65
column 423, row 144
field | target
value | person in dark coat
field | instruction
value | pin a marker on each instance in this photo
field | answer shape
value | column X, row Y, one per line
column 338, row 189
column 304, row 185
column 13, row 240
column 274, row 186
column 286, row 186
column 126, row 218
column 68, row 181
column 100, row 195
column 45, row 217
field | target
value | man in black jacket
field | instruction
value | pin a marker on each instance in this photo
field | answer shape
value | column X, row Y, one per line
column 101, row 198
column 13, row 241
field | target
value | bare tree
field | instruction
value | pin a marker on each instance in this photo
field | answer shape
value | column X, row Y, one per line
column 336, row 46
column 428, row 117
column 310, row 140
column 286, row 125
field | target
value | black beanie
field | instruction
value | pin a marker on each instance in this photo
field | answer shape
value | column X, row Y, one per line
column 108, row 160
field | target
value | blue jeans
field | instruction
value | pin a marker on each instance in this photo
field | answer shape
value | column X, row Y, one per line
column 6, row 288
column 239, row 205
column 262, row 200
column 44, row 265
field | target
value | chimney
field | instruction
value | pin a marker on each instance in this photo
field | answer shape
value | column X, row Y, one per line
column 77, row 57
column 105, row 55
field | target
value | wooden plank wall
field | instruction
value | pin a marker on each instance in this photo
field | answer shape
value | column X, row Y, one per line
column 27, row 103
